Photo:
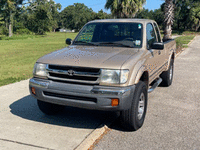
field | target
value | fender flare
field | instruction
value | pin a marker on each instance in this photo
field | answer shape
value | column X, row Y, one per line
column 136, row 78
column 171, row 56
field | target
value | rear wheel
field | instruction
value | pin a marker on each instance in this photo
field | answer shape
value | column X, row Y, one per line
column 133, row 118
column 49, row 108
column 167, row 76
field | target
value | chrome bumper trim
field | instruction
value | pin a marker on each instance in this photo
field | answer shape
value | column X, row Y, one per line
column 37, row 83
column 116, row 92
column 95, row 90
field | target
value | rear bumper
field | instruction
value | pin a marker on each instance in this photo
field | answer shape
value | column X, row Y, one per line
column 82, row 96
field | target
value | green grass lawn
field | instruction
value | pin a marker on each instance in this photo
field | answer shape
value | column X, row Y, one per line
column 19, row 54
column 175, row 32
column 184, row 40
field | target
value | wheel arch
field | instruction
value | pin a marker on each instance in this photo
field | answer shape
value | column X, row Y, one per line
column 171, row 57
column 145, row 78
column 142, row 75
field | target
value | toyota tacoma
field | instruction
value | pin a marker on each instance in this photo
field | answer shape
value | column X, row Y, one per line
column 111, row 65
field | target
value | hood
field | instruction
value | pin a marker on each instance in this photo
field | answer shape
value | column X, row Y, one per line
column 90, row 56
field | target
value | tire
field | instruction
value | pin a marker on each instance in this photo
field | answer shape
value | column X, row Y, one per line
column 167, row 76
column 133, row 118
column 49, row 108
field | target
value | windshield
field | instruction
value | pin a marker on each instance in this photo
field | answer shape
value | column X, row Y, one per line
column 111, row 34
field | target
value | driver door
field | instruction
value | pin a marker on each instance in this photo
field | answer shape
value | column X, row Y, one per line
column 152, row 63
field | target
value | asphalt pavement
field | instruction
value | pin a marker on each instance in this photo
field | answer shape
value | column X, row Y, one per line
column 173, row 115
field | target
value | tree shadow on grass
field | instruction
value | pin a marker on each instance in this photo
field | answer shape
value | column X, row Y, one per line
column 71, row 117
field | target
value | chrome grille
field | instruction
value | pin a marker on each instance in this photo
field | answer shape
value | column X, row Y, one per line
column 73, row 74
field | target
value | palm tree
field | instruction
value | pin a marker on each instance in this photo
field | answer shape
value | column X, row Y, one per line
column 124, row 8
column 169, row 19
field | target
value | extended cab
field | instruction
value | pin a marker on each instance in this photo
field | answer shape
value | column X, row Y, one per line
column 111, row 65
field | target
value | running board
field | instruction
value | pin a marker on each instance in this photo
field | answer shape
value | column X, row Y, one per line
column 155, row 85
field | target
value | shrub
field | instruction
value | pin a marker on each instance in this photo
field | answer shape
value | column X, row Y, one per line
column 23, row 31
column 4, row 31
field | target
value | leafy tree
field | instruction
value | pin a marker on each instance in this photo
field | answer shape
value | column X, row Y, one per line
column 186, row 15
column 124, row 8
column 75, row 16
column 1, row 25
column 145, row 14
column 8, row 9
column 102, row 15
column 53, row 8
column 158, row 16
column 183, row 13
column 42, row 16
column 55, row 15
column 1, row 21
column 182, row 10
column 194, row 16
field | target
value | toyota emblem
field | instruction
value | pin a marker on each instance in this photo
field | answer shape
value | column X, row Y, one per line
column 70, row 72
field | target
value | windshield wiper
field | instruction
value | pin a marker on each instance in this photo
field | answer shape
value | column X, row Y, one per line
column 85, row 43
column 103, row 43
column 115, row 43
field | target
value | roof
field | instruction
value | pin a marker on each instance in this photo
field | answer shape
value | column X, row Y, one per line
column 123, row 20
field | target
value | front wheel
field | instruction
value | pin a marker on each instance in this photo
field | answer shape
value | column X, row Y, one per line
column 49, row 108
column 133, row 118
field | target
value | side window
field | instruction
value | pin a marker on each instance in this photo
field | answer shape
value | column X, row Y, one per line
column 157, row 32
column 151, row 37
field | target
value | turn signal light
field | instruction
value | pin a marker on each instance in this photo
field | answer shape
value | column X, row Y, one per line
column 33, row 90
column 115, row 102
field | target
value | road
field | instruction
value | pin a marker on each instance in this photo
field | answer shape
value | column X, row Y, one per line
column 173, row 116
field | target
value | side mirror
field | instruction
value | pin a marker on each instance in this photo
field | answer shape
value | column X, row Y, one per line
column 159, row 46
column 68, row 41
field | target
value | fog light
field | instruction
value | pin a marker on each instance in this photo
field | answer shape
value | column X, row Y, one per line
column 115, row 102
column 33, row 90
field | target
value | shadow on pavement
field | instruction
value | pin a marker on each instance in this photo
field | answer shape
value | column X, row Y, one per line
column 116, row 125
column 71, row 117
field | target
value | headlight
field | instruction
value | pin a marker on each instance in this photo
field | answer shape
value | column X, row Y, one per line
column 40, row 70
column 114, row 76
column 124, row 76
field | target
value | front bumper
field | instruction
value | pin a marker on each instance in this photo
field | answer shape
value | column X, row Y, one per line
column 82, row 96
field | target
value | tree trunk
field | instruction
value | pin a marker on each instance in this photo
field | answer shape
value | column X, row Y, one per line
column 197, row 27
column 10, row 29
column 6, row 25
column 169, row 18
column 178, row 24
column 10, row 25
column 167, row 32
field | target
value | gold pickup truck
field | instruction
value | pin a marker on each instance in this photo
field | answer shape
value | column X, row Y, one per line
column 111, row 65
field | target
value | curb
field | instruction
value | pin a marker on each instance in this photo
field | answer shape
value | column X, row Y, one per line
column 87, row 143
column 90, row 140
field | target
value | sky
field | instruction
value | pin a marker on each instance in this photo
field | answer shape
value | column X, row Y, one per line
column 97, row 5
